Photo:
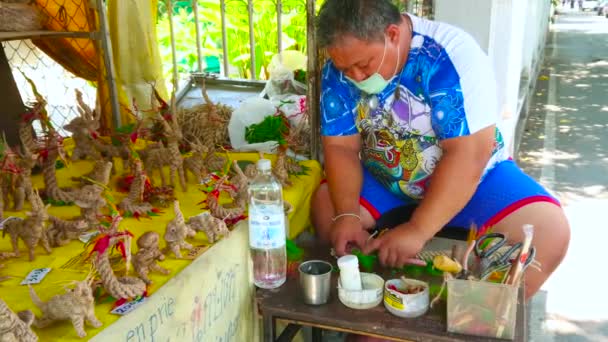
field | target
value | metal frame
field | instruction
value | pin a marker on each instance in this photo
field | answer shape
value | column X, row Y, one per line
column 101, row 35
column 313, row 67
column 106, row 47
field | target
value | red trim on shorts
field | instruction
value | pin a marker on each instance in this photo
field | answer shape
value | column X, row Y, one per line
column 369, row 207
column 513, row 207
column 323, row 181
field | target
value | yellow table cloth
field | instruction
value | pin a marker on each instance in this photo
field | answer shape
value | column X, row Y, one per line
column 17, row 296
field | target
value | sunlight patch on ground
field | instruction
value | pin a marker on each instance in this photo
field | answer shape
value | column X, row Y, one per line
column 546, row 156
column 561, row 326
column 598, row 64
column 553, row 108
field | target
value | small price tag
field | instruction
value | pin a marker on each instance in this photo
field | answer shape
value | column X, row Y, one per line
column 86, row 237
column 128, row 306
column 195, row 252
column 35, row 276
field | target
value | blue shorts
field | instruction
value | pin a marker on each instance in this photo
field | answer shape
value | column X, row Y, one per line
column 503, row 190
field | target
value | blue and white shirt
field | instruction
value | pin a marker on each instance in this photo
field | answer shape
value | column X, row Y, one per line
column 447, row 89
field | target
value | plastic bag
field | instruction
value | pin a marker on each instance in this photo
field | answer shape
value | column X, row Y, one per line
column 282, row 79
column 293, row 106
column 251, row 111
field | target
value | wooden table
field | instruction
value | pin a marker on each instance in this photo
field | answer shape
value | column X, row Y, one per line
column 285, row 304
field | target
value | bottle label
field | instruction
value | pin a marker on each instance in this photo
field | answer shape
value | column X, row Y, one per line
column 266, row 226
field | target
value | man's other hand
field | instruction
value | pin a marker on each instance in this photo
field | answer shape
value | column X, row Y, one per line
column 347, row 231
column 397, row 246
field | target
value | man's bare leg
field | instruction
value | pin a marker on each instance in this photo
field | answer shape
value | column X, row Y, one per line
column 551, row 238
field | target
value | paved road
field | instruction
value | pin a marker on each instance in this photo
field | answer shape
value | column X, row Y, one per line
column 565, row 145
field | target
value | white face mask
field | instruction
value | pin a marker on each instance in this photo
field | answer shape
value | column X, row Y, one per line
column 375, row 84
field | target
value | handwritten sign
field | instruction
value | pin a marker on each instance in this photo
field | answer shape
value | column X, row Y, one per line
column 195, row 252
column 210, row 300
column 35, row 276
column 128, row 306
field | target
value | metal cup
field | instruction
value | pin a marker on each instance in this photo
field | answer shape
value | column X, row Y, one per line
column 315, row 281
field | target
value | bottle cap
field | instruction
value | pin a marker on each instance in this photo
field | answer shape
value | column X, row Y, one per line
column 348, row 260
column 264, row 165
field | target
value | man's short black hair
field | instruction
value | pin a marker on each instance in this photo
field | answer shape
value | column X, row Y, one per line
column 363, row 19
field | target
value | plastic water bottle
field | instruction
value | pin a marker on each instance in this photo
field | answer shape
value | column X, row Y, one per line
column 267, row 228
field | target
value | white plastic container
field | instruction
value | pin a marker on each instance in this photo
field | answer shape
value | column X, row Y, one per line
column 350, row 278
column 406, row 305
column 368, row 297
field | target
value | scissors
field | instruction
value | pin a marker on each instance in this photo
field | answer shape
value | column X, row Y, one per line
column 491, row 260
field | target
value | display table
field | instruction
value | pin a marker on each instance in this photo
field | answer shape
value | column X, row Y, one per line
column 206, row 299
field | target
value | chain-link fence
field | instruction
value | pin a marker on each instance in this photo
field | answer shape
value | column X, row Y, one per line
column 54, row 82
column 67, row 55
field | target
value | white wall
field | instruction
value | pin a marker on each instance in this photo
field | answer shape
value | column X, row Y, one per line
column 472, row 16
column 536, row 26
column 513, row 33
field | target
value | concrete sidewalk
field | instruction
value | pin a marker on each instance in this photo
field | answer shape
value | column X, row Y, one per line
column 564, row 146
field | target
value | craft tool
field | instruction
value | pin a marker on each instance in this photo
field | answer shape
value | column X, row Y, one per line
column 525, row 253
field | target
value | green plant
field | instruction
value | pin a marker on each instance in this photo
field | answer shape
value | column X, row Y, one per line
column 237, row 32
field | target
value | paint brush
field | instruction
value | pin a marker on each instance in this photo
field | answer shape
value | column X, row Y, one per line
column 472, row 233
column 517, row 269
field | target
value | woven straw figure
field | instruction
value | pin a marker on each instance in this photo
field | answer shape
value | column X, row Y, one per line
column 90, row 201
column 176, row 233
column 241, row 181
column 16, row 327
column 60, row 232
column 5, row 255
column 196, row 162
column 18, row 183
column 280, row 170
column 31, row 229
column 101, row 173
column 1, row 200
column 134, row 202
column 117, row 287
column 76, row 305
column 109, row 152
column 213, row 227
column 224, row 212
column 238, row 191
column 215, row 130
column 83, row 129
column 147, row 255
column 207, row 122
column 54, row 149
column 157, row 158
column 26, row 136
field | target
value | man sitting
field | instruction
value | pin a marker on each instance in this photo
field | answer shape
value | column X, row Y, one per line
column 409, row 116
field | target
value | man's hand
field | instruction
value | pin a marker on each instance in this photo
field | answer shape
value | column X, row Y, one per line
column 398, row 246
column 346, row 231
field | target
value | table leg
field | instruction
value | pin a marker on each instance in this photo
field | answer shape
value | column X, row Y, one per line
column 269, row 328
column 290, row 331
column 317, row 334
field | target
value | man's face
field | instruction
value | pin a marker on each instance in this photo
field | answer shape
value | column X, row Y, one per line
column 359, row 59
